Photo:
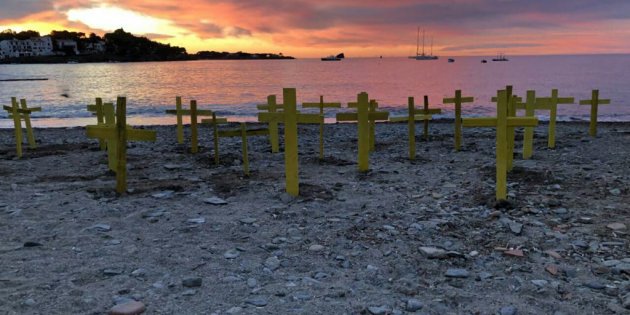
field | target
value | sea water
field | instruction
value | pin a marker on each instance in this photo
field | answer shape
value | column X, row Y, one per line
column 233, row 88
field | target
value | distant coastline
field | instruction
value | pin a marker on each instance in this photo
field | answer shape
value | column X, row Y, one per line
column 28, row 47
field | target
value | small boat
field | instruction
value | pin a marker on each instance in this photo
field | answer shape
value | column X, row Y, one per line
column 500, row 57
column 484, row 61
column 331, row 58
column 423, row 56
column 451, row 60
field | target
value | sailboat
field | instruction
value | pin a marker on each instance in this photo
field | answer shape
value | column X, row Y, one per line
column 500, row 57
column 422, row 56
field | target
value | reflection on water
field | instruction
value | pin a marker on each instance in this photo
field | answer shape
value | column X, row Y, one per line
column 234, row 87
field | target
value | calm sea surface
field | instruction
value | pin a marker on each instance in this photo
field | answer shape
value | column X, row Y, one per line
column 232, row 88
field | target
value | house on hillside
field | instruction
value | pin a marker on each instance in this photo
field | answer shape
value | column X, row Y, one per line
column 36, row 46
column 67, row 46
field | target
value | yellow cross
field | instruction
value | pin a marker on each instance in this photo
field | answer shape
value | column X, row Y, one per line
column 117, row 136
column 501, row 122
column 372, row 117
column 594, row 102
column 414, row 114
column 242, row 132
column 98, row 109
column 321, row 105
column 193, row 112
column 272, row 107
column 19, row 113
column 290, row 117
column 551, row 103
column 458, row 100
column 365, row 115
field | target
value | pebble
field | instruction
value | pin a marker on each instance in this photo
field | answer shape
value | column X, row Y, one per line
column 508, row 310
column 231, row 254
column 197, row 220
column 625, row 301
column 473, row 253
column 413, row 305
column 100, row 227
column 433, row 252
column 316, row 248
column 258, row 301
column 516, row 227
column 128, row 308
column 32, row 244
column 594, row 285
column 30, row 302
column 378, row 310
column 553, row 254
column 616, row 226
column 615, row 191
column 215, row 201
column 189, row 292
column 139, row 273
column 457, row 273
column 540, row 283
column 192, row 282
column 248, row 220
column 272, row 263
column 252, row 283
column 112, row 271
column 234, row 310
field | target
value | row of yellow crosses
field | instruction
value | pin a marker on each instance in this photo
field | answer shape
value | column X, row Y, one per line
column 113, row 132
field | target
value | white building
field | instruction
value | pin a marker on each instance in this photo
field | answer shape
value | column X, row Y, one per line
column 94, row 48
column 36, row 46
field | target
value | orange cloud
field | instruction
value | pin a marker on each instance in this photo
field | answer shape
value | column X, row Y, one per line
column 310, row 28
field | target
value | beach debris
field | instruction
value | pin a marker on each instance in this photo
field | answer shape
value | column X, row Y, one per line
column 414, row 114
column 117, row 136
column 457, row 273
column 366, row 117
column 552, row 269
column 321, row 105
column 458, row 100
column 258, row 301
column 19, row 113
column 594, row 102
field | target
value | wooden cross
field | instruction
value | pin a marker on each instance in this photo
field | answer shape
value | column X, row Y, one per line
column 501, row 122
column 193, row 112
column 98, row 109
column 19, row 113
column 117, row 136
column 242, row 132
column 321, row 105
column 413, row 114
column 551, row 104
column 373, row 116
column 528, row 138
column 290, row 117
column 458, row 100
column 272, row 107
column 594, row 102
column 365, row 114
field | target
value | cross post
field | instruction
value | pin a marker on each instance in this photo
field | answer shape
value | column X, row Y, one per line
column 413, row 114
column 194, row 114
column 458, row 100
column 272, row 107
column 594, row 102
column 321, row 105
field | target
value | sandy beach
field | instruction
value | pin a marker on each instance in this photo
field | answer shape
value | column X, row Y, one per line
column 421, row 237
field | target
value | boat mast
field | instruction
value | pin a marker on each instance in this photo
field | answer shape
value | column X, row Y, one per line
column 418, row 41
column 431, row 45
column 423, row 42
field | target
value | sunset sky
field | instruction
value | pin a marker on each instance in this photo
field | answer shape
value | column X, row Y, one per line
column 314, row 28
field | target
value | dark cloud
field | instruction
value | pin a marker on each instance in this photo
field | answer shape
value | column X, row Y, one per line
column 16, row 9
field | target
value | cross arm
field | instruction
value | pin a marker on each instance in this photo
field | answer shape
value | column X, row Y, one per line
column 200, row 112
column 406, row 118
column 318, row 105
column 310, row 119
column 599, row 102
column 23, row 111
column 522, row 121
column 266, row 106
column 238, row 133
column 218, row 121
column 109, row 132
column 452, row 100
column 430, row 111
